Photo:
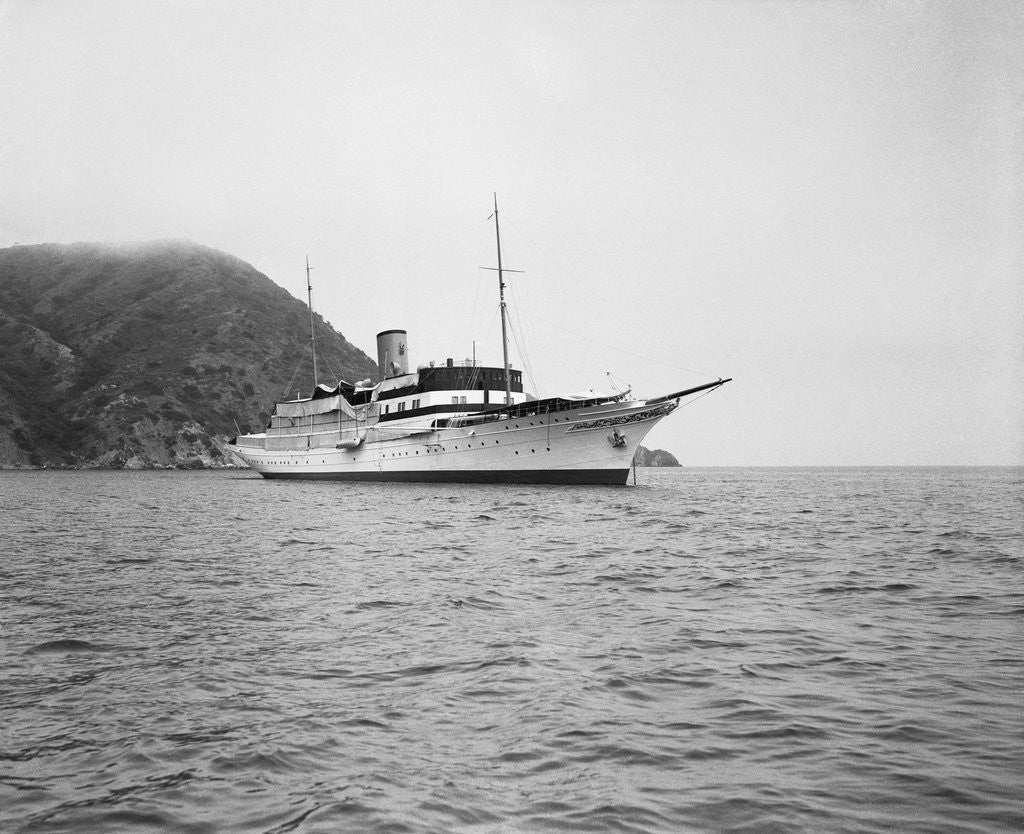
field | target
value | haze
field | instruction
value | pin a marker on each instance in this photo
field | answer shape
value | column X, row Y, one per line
column 820, row 200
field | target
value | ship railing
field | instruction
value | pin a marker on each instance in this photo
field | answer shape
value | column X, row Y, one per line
column 293, row 441
column 531, row 408
column 469, row 420
column 324, row 427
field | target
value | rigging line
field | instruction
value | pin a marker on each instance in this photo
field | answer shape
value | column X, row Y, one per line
column 528, row 364
column 527, row 367
column 491, row 326
column 322, row 355
column 511, row 308
column 529, row 374
column 471, row 321
column 645, row 329
column 700, row 396
column 291, row 379
column 330, row 367
column 615, row 303
column 615, row 380
column 564, row 329
column 520, row 290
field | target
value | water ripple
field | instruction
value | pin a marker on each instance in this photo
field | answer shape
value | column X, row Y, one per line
column 735, row 649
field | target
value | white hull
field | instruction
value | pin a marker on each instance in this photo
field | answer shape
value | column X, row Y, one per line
column 593, row 445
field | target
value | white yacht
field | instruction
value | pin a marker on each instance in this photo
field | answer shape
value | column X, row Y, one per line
column 454, row 421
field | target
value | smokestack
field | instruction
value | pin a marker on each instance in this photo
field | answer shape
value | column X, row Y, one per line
column 392, row 353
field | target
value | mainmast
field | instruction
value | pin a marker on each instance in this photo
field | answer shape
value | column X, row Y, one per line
column 504, row 314
column 312, row 332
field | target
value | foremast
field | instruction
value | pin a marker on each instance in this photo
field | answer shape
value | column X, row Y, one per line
column 312, row 331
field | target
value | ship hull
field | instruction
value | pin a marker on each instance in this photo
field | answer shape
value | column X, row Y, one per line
column 588, row 446
column 577, row 477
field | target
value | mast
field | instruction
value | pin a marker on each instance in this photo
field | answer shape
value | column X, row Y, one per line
column 312, row 333
column 504, row 314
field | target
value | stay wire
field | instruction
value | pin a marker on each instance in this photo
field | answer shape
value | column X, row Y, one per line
column 529, row 366
column 589, row 289
column 471, row 322
column 327, row 361
column 562, row 328
column 291, row 379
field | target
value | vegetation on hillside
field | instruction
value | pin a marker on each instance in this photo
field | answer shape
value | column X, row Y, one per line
column 147, row 354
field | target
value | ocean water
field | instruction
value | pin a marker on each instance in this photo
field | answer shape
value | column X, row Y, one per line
column 713, row 650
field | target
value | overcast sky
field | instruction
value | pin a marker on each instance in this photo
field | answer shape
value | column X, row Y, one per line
column 822, row 200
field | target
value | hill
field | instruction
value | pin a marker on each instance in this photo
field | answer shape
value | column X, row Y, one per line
column 144, row 355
